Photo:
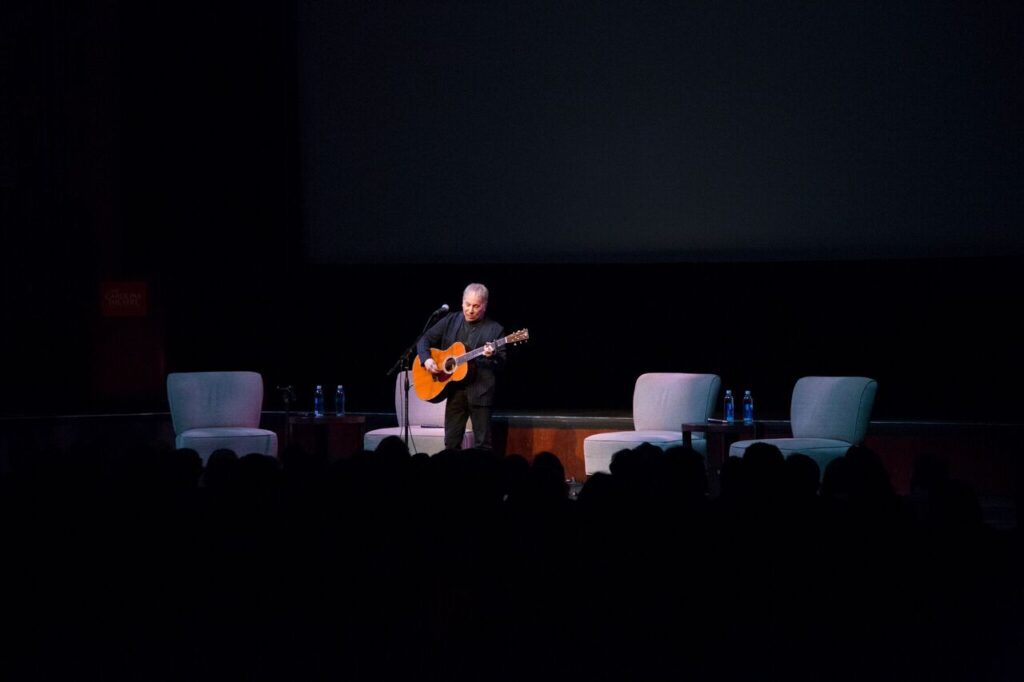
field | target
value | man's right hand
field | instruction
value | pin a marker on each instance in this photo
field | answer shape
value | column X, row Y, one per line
column 431, row 366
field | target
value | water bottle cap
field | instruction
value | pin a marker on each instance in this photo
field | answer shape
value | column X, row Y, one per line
column 339, row 387
column 728, row 391
column 746, row 392
column 318, row 387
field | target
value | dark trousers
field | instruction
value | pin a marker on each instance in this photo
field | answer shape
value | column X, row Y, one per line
column 456, row 411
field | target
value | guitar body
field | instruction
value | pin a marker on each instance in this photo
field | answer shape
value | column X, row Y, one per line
column 454, row 366
column 431, row 387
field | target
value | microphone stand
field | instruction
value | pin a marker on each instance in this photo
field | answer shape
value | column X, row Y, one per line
column 288, row 396
column 404, row 365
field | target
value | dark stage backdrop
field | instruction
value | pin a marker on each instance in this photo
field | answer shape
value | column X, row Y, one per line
column 645, row 187
column 935, row 333
column 623, row 131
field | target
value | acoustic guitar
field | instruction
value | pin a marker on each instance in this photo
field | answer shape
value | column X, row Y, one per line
column 453, row 362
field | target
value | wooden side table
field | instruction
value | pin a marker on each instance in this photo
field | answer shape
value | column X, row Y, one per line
column 335, row 437
column 719, row 436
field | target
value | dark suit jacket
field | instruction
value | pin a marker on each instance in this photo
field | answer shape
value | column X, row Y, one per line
column 479, row 382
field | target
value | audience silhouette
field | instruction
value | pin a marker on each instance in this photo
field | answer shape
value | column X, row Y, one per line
column 469, row 565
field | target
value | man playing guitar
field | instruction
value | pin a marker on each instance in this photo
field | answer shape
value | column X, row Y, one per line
column 472, row 397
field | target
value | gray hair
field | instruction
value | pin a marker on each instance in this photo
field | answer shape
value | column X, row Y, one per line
column 478, row 289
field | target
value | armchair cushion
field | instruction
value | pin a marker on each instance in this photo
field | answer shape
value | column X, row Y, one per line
column 821, row 450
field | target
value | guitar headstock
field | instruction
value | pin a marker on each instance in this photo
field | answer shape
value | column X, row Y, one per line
column 518, row 337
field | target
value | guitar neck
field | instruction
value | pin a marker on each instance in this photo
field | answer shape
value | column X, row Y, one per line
column 473, row 354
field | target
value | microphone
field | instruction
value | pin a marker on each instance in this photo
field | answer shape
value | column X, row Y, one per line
column 440, row 311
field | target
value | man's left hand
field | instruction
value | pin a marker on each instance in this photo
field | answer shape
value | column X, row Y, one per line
column 488, row 350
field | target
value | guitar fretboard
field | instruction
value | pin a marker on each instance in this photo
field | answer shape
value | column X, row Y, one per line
column 466, row 357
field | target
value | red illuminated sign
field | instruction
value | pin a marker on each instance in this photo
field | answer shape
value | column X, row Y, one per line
column 123, row 299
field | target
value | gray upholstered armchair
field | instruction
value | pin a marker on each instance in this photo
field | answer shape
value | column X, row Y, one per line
column 212, row 410
column 426, row 424
column 662, row 402
column 827, row 416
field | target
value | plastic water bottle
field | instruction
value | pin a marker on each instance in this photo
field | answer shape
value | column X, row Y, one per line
column 318, row 401
column 730, row 414
column 339, row 401
column 748, row 408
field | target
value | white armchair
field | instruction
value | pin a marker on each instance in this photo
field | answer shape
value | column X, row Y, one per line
column 662, row 402
column 426, row 424
column 827, row 416
column 212, row 410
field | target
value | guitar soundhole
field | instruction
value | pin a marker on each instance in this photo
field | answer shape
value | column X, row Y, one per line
column 449, row 365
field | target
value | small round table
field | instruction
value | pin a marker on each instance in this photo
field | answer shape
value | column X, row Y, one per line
column 719, row 435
